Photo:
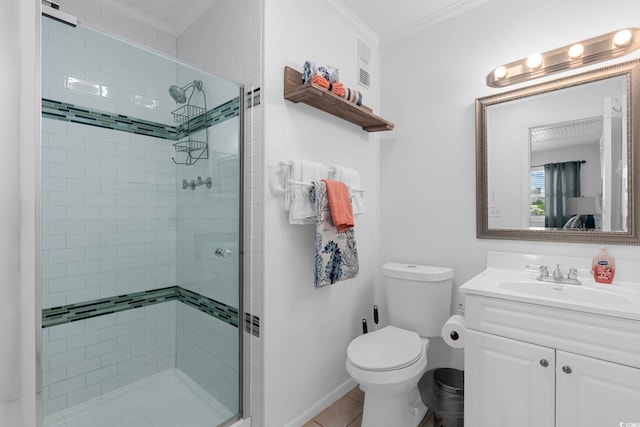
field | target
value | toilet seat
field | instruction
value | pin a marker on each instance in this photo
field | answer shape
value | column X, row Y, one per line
column 388, row 349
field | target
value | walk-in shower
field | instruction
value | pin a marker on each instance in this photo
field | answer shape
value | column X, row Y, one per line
column 141, row 265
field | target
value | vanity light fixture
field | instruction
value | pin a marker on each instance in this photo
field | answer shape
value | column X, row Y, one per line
column 602, row 48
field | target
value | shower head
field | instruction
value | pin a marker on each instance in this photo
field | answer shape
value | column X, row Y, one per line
column 179, row 94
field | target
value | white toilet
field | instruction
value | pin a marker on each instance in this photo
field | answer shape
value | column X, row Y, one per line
column 388, row 363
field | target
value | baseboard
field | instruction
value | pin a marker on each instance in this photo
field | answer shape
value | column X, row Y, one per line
column 323, row 403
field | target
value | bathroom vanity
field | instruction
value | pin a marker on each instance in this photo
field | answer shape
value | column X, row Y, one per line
column 551, row 354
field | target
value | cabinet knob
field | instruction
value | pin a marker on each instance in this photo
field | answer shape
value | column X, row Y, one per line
column 567, row 369
column 544, row 363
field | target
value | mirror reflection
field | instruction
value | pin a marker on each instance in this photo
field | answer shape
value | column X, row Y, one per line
column 554, row 159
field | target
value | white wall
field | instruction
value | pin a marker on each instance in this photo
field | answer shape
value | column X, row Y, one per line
column 431, row 153
column 307, row 330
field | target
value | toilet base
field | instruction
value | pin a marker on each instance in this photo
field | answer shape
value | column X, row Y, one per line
column 398, row 410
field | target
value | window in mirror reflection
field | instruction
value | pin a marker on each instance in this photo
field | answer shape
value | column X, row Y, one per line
column 536, row 197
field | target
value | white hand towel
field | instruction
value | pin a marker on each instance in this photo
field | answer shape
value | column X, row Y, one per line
column 302, row 210
column 351, row 178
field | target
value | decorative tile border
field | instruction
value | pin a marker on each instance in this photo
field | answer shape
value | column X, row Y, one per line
column 214, row 308
column 216, row 115
column 70, row 113
column 252, row 98
column 99, row 307
column 57, row 110
column 252, row 324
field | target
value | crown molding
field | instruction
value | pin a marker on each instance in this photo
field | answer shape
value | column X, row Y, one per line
column 350, row 18
column 457, row 8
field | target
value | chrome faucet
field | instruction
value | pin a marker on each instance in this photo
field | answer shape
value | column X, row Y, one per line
column 557, row 277
column 557, row 274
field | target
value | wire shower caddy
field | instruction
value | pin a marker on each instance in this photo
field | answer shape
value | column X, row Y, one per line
column 192, row 120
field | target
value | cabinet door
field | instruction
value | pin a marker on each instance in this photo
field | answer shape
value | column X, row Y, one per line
column 594, row 393
column 508, row 383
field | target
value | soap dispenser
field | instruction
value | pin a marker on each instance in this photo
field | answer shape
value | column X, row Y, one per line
column 603, row 266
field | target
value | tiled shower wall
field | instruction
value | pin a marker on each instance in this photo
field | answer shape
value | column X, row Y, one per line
column 85, row 359
column 108, row 229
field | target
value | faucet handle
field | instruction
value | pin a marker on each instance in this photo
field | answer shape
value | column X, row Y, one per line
column 544, row 271
column 557, row 274
column 572, row 274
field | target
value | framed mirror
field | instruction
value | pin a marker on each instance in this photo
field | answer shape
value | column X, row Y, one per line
column 557, row 161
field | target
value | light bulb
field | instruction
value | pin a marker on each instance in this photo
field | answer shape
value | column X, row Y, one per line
column 534, row 61
column 576, row 51
column 500, row 73
column 622, row 38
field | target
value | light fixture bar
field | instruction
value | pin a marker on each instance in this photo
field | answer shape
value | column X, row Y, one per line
column 575, row 55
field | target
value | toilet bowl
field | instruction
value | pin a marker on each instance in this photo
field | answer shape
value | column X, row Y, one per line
column 388, row 365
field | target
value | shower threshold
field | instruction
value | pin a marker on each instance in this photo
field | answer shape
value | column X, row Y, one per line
column 166, row 399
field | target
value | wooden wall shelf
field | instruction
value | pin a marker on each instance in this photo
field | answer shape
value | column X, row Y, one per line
column 322, row 99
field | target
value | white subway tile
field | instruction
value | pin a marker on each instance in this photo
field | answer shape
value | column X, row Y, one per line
column 101, row 348
column 64, row 359
column 83, row 367
column 65, row 255
column 83, row 340
column 83, row 240
column 67, row 386
column 65, row 170
column 84, row 394
column 83, row 267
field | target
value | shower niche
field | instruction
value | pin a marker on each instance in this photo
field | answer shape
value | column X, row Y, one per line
column 191, row 118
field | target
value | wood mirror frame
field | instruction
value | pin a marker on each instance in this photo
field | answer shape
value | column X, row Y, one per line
column 631, row 236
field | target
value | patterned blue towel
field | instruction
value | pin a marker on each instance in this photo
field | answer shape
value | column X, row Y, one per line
column 336, row 253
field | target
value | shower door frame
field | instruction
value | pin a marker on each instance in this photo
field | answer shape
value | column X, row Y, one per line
column 38, row 300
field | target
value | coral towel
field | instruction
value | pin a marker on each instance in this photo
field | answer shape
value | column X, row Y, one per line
column 340, row 205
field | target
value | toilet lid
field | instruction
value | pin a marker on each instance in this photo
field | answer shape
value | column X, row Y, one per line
column 385, row 350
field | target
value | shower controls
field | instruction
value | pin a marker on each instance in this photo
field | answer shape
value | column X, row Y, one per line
column 223, row 253
column 197, row 183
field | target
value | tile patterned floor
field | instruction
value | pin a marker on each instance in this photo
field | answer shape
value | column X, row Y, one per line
column 347, row 412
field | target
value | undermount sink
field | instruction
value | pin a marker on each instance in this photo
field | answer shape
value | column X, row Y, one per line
column 575, row 293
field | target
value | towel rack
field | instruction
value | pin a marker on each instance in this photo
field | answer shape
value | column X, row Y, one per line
column 276, row 179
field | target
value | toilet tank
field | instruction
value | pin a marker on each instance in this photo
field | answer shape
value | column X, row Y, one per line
column 418, row 297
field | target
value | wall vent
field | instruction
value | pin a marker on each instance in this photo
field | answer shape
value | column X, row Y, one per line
column 364, row 56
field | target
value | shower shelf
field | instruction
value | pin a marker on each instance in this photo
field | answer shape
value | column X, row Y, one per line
column 186, row 112
column 187, row 116
column 331, row 103
column 189, row 146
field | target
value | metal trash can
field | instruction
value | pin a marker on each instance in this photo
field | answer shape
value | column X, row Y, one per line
column 442, row 391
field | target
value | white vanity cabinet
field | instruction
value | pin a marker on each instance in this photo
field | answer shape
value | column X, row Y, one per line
column 505, row 383
column 593, row 392
column 529, row 365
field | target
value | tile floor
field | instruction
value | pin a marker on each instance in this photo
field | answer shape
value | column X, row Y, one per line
column 347, row 412
column 167, row 399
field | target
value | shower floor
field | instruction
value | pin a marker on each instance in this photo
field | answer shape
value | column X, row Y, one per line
column 167, row 399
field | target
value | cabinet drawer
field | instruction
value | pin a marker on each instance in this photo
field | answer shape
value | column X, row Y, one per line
column 603, row 337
